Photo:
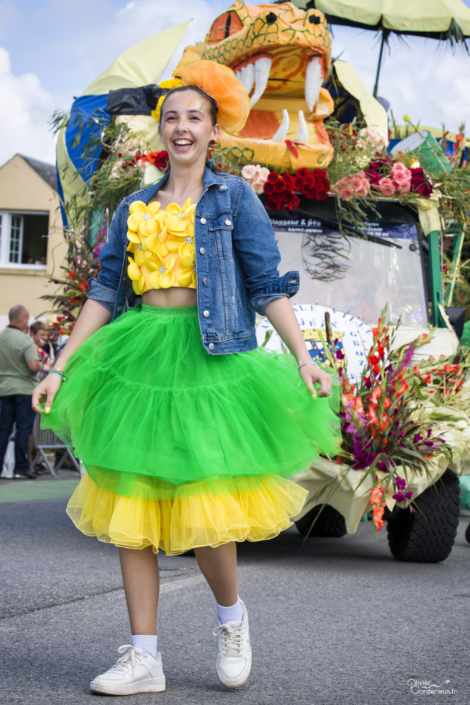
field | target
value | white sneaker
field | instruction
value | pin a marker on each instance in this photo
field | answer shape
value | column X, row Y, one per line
column 135, row 672
column 234, row 651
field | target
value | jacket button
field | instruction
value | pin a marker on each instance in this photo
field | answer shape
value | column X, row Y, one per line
column 202, row 251
column 206, row 314
column 228, row 222
column 204, row 281
column 211, row 346
column 203, row 221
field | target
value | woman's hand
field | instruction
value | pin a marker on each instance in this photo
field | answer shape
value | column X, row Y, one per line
column 312, row 373
column 48, row 388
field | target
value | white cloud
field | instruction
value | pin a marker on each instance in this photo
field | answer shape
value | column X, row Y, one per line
column 25, row 108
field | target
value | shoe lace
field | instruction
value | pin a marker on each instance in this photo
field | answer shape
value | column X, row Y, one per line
column 232, row 637
column 129, row 659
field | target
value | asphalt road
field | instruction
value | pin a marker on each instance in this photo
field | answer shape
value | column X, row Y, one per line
column 335, row 622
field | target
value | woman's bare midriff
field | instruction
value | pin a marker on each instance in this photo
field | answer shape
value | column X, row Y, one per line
column 170, row 298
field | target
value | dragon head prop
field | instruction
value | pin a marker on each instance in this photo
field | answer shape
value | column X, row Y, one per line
column 282, row 55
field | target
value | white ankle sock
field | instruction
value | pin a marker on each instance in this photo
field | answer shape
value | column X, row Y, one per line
column 230, row 614
column 148, row 642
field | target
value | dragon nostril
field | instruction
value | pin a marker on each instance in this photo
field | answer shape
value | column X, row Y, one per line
column 271, row 18
column 314, row 19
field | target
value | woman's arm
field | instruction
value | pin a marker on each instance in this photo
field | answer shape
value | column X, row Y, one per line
column 283, row 319
column 92, row 317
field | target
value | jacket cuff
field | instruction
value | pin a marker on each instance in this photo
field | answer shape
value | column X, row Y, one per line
column 259, row 303
column 287, row 285
column 102, row 294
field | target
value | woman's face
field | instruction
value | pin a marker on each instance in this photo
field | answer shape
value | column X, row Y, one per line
column 186, row 128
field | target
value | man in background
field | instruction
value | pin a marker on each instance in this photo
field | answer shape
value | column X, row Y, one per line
column 19, row 366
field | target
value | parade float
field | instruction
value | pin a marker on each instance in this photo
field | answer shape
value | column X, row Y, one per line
column 368, row 226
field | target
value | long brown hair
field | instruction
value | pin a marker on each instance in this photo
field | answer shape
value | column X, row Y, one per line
column 212, row 110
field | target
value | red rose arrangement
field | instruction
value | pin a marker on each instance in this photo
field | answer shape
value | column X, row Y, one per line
column 281, row 190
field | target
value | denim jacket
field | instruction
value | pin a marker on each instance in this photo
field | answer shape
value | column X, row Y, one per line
column 237, row 261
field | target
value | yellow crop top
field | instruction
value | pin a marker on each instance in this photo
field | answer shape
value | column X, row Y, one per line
column 162, row 243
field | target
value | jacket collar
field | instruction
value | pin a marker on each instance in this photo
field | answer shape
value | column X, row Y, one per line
column 146, row 194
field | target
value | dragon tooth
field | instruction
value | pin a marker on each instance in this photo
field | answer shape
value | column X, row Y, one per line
column 249, row 77
column 313, row 82
column 302, row 135
column 262, row 69
column 281, row 134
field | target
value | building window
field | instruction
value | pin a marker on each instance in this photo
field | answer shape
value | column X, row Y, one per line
column 23, row 239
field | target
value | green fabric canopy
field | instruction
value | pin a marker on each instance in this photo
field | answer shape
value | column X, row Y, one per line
column 439, row 19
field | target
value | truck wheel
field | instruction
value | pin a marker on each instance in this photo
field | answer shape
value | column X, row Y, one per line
column 467, row 534
column 427, row 537
column 330, row 523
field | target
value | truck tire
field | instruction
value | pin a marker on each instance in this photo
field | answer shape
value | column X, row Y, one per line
column 427, row 537
column 330, row 523
column 467, row 534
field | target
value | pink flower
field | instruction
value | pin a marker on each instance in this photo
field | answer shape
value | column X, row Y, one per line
column 387, row 186
column 373, row 136
column 401, row 177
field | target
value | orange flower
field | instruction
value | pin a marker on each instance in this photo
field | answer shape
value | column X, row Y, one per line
column 376, row 495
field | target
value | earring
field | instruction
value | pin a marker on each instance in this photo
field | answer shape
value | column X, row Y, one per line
column 211, row 155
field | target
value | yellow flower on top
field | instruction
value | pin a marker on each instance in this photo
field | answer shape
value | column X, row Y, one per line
column 179, row 219
column 156, row 242
column 142, row 217
column 161, row 275
column 136, row 246
column 188, row 276
column 136, row 276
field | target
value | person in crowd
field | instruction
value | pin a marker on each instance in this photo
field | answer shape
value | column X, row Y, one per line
column 38, row 332
column 19, row 367
column 51, row 346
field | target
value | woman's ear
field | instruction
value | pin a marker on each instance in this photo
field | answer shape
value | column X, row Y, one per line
column 215, row 132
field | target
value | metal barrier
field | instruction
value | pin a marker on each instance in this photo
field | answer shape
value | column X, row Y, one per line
column 45, row 440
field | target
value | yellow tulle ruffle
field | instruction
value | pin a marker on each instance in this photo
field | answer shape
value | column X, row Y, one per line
column 188, row 520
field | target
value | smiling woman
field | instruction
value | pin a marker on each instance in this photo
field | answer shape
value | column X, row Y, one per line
column 189, row 433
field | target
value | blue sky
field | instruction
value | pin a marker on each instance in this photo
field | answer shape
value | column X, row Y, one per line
column 51, row 49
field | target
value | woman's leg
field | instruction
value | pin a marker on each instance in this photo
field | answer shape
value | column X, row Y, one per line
column 219, row 567
column 141, row 584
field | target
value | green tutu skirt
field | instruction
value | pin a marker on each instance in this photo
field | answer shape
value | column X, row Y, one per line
column 182, row 448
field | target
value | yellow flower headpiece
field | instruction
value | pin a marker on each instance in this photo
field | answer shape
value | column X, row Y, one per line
column 170, row 84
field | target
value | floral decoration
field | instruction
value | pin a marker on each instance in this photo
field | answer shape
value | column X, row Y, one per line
column 281, row 191
column 385, row 425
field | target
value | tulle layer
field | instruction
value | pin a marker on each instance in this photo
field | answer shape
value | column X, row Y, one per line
column 148, row 410
column 211, row 514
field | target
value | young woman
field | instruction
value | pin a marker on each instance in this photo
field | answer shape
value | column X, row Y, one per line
column 188, row 431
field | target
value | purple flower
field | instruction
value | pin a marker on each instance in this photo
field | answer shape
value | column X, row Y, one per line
column 401, row 483
column 399, row 496
column 339, row 355
column 351, row 428
column 413, row 510
column 408, row 495
column 417, row 438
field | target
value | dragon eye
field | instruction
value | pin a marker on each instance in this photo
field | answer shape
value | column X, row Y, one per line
column 314, row 19
column 271, row 18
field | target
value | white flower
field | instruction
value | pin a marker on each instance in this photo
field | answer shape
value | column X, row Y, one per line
column 249, row 172
column 257, row 187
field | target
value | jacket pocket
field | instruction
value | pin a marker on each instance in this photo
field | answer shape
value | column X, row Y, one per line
column 220, row 233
